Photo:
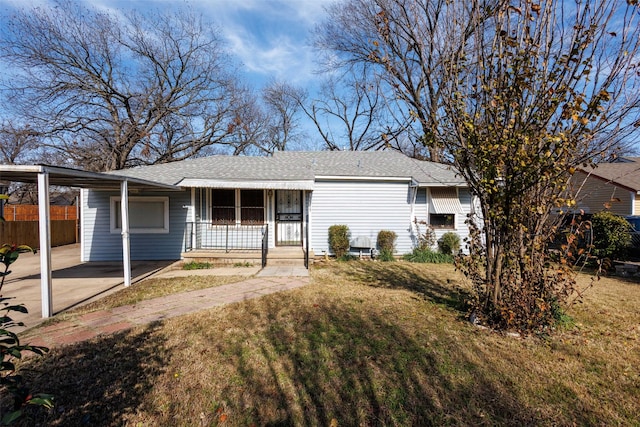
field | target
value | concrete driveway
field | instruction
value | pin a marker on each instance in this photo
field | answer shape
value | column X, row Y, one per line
column 74, row 282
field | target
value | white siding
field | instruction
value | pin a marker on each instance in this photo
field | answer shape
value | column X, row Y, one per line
column 596, row 193
column 368, row 207
column 461, row 228
column 365, row 207
column 102, row 245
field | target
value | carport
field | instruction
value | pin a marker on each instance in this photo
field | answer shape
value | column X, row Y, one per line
column 45, row 176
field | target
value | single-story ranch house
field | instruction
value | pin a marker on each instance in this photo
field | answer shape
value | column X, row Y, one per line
column 230, row 203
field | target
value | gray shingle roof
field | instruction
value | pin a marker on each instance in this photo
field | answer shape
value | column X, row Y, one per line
column 625, row 173
column 300, row 166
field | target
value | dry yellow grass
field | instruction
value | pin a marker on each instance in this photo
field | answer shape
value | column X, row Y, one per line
column 365, row 344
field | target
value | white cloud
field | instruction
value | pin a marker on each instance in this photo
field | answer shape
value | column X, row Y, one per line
column 271, row 38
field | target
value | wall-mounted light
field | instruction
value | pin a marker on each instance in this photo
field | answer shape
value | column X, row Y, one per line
column 270, row 193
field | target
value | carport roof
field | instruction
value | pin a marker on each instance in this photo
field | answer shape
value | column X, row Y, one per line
column 67, row 177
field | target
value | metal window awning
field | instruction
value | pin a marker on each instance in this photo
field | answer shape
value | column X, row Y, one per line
column 44, row 176
column 444, row 201
column 248, row 184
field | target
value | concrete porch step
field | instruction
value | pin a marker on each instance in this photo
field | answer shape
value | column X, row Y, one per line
column 280, row 256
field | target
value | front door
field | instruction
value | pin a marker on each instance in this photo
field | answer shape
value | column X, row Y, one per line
column 288, row 218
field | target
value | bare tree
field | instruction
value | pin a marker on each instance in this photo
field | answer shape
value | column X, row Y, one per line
column 118, row 90
column 348, row 114
column 17, row 143
column 281, row 104
column 267, row 122
column 406, row 44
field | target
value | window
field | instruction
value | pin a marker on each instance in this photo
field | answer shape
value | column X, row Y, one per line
column 224, row 207
column 146, row 215
column 231, row 206
column 252, row 206
column 443, row 207
column 442, row 221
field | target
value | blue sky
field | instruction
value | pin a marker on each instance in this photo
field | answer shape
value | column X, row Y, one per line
column 271, row 38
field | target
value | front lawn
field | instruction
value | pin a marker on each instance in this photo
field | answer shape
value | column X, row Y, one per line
column 366, row 343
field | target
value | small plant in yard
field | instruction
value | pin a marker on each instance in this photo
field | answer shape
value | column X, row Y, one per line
column 426, row 237
column 196, row 265
column 242, row 264
column 11, row 349
column 386, row 255
column 339, row 236
column 449, row 243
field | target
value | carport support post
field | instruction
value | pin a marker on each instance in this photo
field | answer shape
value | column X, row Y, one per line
column 126, row 251
column 45, row 244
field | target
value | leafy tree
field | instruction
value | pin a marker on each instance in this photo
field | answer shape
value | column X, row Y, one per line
column 115, row 90
column 515, row 94
column 542, row 88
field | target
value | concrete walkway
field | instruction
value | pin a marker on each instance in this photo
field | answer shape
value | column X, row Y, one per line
column 77, row 283
column 121, row 318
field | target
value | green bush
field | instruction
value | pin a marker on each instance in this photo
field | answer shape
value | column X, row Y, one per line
column 428, row 256
column 611, row 235
column 386, row 255
column 339, row 236
column 449, row 243
column 387, row 240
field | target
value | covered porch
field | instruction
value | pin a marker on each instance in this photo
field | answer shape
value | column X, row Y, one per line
column 249, row 222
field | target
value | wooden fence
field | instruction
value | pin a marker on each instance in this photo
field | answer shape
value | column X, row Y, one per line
column 30, row 212
column 63, row 232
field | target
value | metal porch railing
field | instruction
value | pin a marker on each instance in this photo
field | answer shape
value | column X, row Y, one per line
column 227, row 237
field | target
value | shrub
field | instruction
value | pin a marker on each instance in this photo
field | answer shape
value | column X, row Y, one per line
column 387, row 241
column 386, row 255
column 339, row 236
column 611, row 235
column 449, row 243
column 428, row 256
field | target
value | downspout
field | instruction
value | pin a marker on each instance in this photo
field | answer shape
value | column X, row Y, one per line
column 413, row 194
